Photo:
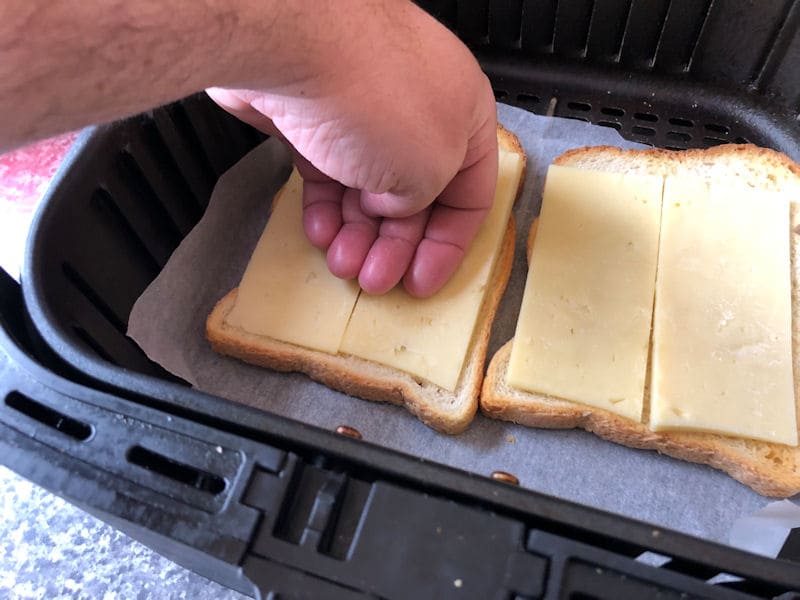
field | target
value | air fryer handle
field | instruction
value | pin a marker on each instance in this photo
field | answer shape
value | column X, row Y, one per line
column 117, row 464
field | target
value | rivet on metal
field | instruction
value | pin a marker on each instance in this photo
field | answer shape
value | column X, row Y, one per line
column 348, row 431
column 505, row 477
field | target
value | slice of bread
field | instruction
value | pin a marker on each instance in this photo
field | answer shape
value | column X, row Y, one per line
column 445, row 411
column 770, row 469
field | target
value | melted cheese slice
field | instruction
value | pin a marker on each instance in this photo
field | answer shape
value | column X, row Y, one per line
column 722, row 356
column 287, row 292
column 584, row 327
column 430, row 337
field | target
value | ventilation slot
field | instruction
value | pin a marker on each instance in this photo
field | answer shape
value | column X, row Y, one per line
column 698, row 35
column 680, row 34
column 185, row 474
column 678, row 136
column 500, row 94
column 505, row 23
column 716, row 128
column 162, row 156
column 93, row 297
column 159, row 219
column 528, row 99
column 679, row 122
column 573, row 21
column 643, row 31
column 714, row 141
column 651, row 118
column 611, row 124
column 612, row 111
column 192, row 144
column 623, row 33
column 103, row 204
column 45, row 415
column 646, row 131
column 581, row 106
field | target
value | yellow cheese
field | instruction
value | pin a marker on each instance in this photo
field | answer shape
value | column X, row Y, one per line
column 430, row 337
column 584, row 327
column 287, row 292
column 722, row 356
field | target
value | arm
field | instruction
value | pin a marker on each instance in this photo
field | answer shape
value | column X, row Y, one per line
column 391, row 120
column 67, row 64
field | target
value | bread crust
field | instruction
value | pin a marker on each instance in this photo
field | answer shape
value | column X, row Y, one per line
column 747, row 152
column 769, row 469
column 509, row 142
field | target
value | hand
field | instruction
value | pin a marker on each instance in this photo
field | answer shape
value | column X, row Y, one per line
column 396, row 141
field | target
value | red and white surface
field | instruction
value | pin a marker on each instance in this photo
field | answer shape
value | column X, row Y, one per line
column 24, row 177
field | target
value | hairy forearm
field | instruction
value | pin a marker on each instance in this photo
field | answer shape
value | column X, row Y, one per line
column 66, row 64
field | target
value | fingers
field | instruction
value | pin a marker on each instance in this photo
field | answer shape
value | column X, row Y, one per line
column 349, row 248
column 322, row 211
column 442, row 249
column 392, row 252
column 455, row 219
column 322, row 204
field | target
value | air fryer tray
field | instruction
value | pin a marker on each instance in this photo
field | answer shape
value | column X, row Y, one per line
column 263, row 504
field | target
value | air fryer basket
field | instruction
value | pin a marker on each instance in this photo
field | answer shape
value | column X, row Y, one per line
column 268, row 505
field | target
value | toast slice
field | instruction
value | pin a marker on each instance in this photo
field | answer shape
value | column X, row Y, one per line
column 445, row 411
column 770, row 469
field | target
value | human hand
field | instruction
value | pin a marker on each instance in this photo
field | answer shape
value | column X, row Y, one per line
column 396, row 141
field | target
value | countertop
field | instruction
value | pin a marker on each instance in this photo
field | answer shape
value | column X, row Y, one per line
column 49, row 548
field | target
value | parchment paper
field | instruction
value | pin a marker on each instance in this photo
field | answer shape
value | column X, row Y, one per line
column 765, row 532
column 168, row 323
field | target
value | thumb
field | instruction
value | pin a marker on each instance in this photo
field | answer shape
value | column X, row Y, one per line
column 396, row 205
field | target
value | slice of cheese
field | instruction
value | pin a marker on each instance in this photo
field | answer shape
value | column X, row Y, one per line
column 287, row 292
column 430, row 337
column 584, row 327
column 722, row 356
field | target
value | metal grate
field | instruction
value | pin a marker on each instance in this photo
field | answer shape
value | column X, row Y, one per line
column 715, row 41
column 652, row 127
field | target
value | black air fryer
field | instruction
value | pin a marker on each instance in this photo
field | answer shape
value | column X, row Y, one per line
column 286, row 509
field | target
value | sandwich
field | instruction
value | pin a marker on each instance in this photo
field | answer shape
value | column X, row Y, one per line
column 661, row 309
column 290, row 314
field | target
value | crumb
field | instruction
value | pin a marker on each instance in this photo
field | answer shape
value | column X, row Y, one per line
column 511, row 439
